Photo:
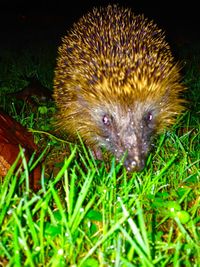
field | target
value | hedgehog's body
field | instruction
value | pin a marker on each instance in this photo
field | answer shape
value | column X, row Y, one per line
column 116, row 83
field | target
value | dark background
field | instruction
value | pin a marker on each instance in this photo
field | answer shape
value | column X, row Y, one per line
column 22, row 22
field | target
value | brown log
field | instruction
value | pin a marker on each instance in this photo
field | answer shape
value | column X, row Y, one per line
column 13, row 135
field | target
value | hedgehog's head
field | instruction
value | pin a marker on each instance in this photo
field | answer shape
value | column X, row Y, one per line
column 125, row 120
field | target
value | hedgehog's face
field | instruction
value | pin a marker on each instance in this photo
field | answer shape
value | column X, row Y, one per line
column 127, row 133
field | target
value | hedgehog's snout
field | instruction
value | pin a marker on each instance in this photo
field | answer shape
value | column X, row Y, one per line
column 134, row 147
column 130, row 145
column 134, row 163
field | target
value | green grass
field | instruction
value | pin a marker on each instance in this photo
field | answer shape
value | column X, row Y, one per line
column 91, row 213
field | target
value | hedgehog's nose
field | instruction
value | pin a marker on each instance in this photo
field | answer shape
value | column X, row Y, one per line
column 134, row 164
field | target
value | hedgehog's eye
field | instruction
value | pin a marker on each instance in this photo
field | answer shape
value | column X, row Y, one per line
column 107, row 120
column 148, row 118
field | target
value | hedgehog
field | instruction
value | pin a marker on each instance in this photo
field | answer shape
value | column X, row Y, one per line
column 117, row 84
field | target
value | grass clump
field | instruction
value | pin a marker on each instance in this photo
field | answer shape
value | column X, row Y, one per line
column 92, row 215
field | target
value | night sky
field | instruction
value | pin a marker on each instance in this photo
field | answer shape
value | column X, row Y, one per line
column 31, row 21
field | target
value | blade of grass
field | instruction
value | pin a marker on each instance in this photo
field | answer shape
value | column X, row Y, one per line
column 115, row 227
column 23, row 241
column 30, row 222
column 81, row 198
column 65, row 166
column 34, row 164
column 17, row 255
column 8, row 190
column 143, row 228
column 140, row 252
column 25, row 167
